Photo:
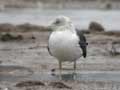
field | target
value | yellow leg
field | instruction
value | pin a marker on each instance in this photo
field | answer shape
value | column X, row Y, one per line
column 74, row 72
column 74, row 66
column 60, row 68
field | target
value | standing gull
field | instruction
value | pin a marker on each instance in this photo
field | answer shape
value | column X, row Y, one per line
column 65, row 42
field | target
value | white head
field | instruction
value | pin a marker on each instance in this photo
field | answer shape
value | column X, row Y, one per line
column 61, row 22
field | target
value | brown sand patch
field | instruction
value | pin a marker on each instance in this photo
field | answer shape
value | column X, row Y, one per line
column 29, row 83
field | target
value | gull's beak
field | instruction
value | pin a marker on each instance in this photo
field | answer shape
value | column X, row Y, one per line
column 49, row 27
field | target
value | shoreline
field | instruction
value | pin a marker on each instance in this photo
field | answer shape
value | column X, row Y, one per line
column 88, row 4
column 27, row 27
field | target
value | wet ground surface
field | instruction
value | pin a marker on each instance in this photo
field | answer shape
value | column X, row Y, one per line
column 29, row 60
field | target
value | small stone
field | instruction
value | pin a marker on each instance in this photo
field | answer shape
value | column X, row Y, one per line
column 33, row 37
column 53, row 70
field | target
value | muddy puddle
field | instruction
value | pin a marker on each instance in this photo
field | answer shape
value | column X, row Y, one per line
column 79, row 76
column 16, row 73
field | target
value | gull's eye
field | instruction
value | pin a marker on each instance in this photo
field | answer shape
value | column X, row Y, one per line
column 57, row 22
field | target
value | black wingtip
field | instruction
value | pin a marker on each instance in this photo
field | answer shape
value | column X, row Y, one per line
column 49, row 50
column 84, row 49
column 83, row 43
column 84, row 55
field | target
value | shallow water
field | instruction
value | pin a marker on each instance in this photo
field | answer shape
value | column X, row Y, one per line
column 110, row 19
column 82, row 76
column 17, row 73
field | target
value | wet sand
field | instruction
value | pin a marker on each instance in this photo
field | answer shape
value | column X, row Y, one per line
column 28, row 59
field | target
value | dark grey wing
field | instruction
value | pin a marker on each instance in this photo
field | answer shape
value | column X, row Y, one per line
column 82, row 42
column 49, row 47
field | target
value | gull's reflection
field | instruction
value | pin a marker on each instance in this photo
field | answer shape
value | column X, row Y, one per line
column 66, row 76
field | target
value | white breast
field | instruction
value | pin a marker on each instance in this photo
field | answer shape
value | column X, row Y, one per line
column 64, row 45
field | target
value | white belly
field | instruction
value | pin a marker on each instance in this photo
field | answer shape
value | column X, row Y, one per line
column 64, row 45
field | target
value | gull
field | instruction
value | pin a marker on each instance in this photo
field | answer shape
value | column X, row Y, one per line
column 65, row 42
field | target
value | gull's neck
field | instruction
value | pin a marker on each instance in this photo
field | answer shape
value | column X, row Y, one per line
column 66, row 28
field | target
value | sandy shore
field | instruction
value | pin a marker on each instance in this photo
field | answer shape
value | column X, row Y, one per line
column 22, row 60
